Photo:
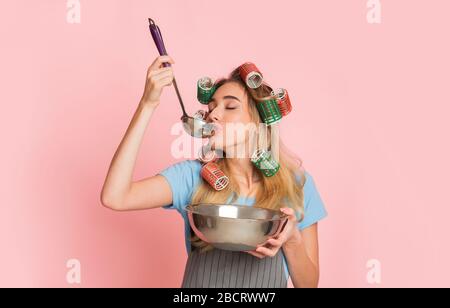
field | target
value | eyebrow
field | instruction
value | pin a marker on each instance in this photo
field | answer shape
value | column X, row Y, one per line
column 227, row 97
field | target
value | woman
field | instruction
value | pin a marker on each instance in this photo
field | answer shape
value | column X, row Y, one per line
column 293, row 253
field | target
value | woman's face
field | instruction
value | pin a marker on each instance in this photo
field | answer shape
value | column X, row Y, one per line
column 229, row 110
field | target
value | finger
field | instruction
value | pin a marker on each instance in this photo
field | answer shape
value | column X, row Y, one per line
column 161, row 75
column 287, row 231
column 156, row 80
column 288, row 211
column 159, row 70
column 160, row 60
column 266, row 251
column 164, row 82
column 256, row 254
column 275, row 242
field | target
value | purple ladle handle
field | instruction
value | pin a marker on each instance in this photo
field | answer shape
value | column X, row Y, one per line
column 157, row 38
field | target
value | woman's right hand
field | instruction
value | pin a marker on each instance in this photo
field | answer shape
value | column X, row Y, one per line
column 158, row 77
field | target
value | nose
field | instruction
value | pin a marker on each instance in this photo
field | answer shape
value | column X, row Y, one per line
column 214, row 116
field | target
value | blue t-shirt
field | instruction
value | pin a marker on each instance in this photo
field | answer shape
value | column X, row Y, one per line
column 184, row 178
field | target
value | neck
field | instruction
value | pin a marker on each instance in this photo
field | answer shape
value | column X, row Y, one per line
column 244, row 171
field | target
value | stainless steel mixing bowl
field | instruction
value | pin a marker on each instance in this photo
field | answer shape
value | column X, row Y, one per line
column 234, row 227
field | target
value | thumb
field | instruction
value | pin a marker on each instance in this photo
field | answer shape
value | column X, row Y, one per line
column 288, row 211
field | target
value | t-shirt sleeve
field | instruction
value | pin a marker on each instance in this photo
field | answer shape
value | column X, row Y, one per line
column 314, row 209
column 183, row 178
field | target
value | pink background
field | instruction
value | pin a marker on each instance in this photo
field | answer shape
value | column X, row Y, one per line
column 370, row 121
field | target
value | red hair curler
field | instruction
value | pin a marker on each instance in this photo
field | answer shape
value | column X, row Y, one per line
column 251, row 75
column 283, row 101
column 212, row 174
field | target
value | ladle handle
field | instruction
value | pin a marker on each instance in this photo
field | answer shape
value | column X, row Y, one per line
column 157, row 38
column 179, row 97
column 159, row 42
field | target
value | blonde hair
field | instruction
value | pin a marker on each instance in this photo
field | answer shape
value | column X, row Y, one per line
column 280, row 190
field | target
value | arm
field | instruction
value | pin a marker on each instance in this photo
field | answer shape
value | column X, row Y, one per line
column 119, row 192
column 302, row 255
column 301, row 249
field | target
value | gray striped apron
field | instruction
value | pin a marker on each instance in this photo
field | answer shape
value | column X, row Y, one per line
column 219, row 268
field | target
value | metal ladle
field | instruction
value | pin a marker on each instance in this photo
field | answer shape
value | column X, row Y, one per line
column 195, row 127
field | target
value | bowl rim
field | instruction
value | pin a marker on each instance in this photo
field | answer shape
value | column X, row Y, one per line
column 190, row 209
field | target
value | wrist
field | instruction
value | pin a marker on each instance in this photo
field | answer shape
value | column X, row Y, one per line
column 148, row 104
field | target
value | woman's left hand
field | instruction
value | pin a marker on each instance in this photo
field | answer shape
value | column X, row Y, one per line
column 289, row 234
